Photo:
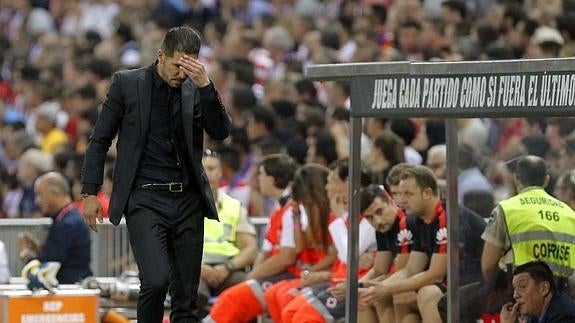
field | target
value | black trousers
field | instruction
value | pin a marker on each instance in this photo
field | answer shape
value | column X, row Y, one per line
column 166, row 235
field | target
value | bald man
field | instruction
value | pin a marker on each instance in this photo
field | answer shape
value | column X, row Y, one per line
column 68, row 240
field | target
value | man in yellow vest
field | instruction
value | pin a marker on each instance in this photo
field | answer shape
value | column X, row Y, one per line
column 529, row 226
column 230, row 245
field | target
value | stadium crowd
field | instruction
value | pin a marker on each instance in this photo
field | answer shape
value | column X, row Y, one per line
column 57, row 58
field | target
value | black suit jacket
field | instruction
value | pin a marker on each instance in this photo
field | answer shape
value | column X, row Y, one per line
column 126, row 112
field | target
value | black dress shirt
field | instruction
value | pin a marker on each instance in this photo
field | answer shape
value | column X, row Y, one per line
column 163, row 159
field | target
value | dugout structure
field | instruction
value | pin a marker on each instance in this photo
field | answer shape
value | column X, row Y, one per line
column 472, row 89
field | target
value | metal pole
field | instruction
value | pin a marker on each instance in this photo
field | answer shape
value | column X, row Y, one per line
column 452, row 224
column 353, row 233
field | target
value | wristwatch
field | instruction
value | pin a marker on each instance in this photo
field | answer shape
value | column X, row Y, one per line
column 230, row 266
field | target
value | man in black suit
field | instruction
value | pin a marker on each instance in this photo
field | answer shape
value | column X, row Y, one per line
column 159, row 113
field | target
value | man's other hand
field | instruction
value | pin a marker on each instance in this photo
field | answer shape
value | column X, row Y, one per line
column 92, row 211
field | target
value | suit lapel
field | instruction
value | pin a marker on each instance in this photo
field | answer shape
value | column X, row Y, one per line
column 145, row 95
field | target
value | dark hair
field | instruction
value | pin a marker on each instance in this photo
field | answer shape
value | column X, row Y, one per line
column 456, row 5
column 410, row 24
column 269, row 145
column 101, row 68
column 283, row 108
column 181, row 39
column 239, row 139
column 539, row 271
column 325, row 146
column 565, row 126
column 265, row 117
column 241, row 68
column 281, row 167
column 230, row 156
column 90, row 115
column 531, row 171
column 124, row 31
column 391, row 146
column 515, row 12
column 341, row 168
column 308, row 188
column 405, row 129
column 330, row 39
column 242, row 97
column 340, row 114
column 306, row 86
column 368, row 195
column 537, row 145
column 87, row 92
column 423, row 177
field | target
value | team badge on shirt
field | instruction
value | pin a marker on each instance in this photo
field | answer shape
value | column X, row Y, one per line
column 441, row 236
column 404, row 238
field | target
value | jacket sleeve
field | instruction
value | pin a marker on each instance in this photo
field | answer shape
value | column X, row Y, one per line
column 105, row 130
column 216, row 120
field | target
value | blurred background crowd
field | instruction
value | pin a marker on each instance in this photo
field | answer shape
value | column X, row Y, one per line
column 57, row 58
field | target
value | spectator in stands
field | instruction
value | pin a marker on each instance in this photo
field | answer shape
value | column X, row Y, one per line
column 409, row 41
column 536, row 145
column 405, row 128
column 453, row 11
column 16, row 141
column 241, row 101
column 53, row 139
column 536, row 297
column 437, row 161
column 545, row 43
column 470, row 175
column 375, row 127
column 387, row 151
column 261, row 122
column 321, row 148
column 230, row 245
column 234, row 182
column 557, row 132
column 33, row 163
column 567, row 156
column 565, row 188
column 68, row 241
column 472, row 131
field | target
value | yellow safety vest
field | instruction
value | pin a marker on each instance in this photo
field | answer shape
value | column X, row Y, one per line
column 541, row 227
column 220, row 237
